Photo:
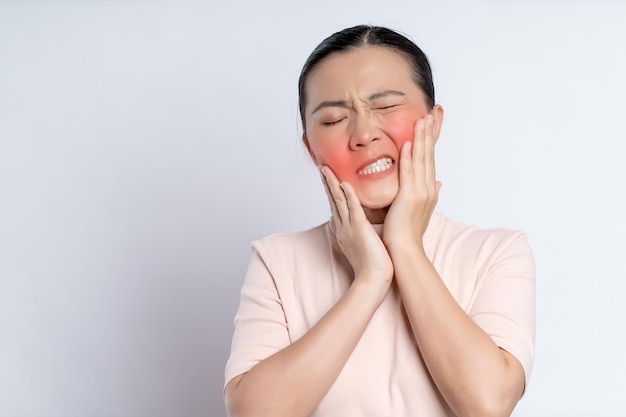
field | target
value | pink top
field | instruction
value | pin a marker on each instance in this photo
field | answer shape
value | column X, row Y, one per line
column 294, row 278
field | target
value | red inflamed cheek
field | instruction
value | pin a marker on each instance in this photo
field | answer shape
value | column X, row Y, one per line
column 400, row 126
column 402, row 133
column 335, row 157
column 341, row 165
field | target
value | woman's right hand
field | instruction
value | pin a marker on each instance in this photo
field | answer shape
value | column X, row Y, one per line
column 356, row 237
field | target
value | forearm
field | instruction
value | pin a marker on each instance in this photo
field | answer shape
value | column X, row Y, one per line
column 474, row 376
column 293, row 381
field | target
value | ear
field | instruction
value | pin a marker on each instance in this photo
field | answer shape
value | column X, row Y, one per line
column 437, row 113
column 305, row 139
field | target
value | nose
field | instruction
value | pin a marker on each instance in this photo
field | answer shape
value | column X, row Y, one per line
column 364, row 131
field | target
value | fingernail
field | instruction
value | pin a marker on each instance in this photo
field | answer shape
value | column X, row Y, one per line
column 407, row 147
column 429, row 119
column 420, row 124
column 323, row 172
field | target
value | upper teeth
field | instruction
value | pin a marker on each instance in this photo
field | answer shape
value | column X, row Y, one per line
column 383, row 164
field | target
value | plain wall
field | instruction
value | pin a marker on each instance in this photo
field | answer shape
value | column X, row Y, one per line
column 143, row 145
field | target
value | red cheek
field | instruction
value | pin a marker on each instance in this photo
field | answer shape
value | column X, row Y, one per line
column 341, row 165
column 403, row 133
column 338, row 160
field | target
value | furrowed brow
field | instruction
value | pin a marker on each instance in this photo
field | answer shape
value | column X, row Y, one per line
column 382, row 94
column 330, row 103
column 344, row 103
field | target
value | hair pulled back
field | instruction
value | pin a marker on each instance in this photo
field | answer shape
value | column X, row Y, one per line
column 364, row 35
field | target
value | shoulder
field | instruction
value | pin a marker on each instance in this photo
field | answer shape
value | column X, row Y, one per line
column 481, row 249
column 453, row 232
column 286, row 240
column 291, row 246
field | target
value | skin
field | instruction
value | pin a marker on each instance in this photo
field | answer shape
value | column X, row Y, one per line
column 351, row 119
column 373, row 105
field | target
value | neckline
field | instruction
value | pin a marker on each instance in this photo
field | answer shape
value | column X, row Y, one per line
column 434, row 225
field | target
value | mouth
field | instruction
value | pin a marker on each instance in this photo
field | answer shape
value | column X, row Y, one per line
column 380, row 165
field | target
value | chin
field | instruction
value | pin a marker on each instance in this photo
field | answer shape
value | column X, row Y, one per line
column 379, row 201
column 378, row 194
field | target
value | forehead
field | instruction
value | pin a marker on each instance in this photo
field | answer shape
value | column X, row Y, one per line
column 364, row 70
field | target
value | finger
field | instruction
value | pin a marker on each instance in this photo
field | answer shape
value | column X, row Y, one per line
column 436, row 196
column 338, row 197
column 429, row 153
column 329, row 195
column 418, row 151
column 406, row 168
column 355, row 210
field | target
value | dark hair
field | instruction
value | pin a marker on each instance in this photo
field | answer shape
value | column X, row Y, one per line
column 364, row 35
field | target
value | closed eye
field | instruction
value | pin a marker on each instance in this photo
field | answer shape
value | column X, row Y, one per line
column 386, row 107
column 334, row 122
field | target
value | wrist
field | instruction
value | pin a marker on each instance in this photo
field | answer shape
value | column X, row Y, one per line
column 368, row 288
column 408, row 255
column 405, row 247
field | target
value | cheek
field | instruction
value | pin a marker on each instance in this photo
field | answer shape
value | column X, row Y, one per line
column 338, row 160
column 341, row 166
column 402, row 131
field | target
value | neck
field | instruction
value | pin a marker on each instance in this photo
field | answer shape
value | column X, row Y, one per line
column 376, row 216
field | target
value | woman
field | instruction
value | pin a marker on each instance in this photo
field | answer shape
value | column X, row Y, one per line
column 387, row 309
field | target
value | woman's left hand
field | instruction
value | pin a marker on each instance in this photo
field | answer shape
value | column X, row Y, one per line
column 410, row 212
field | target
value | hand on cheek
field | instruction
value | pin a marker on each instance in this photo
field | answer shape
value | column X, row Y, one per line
column 410, row 213
column 355, row 235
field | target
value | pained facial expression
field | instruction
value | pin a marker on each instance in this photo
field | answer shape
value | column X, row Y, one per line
column 361, row 107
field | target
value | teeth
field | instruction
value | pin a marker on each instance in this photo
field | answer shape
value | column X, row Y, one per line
column 383, row 164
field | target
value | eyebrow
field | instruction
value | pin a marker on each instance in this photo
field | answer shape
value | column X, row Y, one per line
column 344, row 103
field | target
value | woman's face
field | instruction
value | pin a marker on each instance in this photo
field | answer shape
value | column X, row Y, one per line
column 361, row 107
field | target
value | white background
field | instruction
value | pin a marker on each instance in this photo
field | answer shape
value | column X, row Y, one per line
column 143, row 145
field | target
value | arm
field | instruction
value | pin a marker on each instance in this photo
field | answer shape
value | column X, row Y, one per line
column 475, row 377
column 294, row 380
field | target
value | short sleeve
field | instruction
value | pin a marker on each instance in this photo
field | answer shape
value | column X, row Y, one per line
column 505, row 305
column 260, row 324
